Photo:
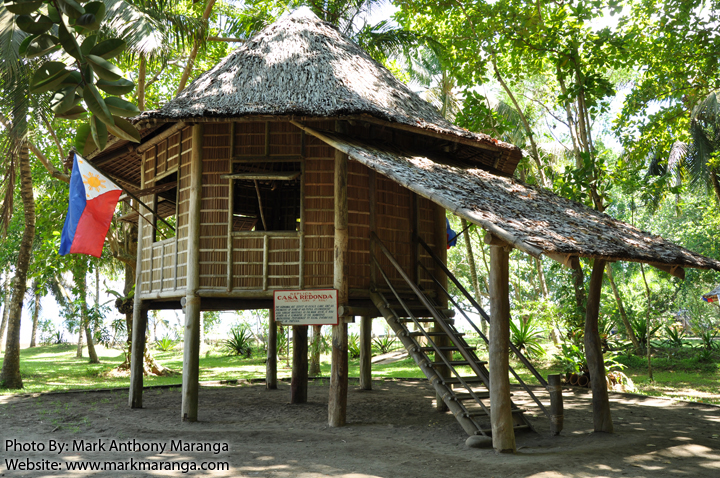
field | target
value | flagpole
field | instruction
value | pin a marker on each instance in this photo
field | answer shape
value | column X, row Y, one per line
column 132, row 196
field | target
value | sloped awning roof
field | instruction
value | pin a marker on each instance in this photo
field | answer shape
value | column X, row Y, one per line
column 533, row 220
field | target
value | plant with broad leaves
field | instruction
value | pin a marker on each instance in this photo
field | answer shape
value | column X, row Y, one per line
column 72, row 26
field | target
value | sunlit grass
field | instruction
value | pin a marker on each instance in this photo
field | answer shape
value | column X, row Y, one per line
column 55, row 368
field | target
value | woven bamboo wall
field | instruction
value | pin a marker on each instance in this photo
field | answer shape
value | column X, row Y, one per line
column 270, row 260
column 426, row 230
column 213, row 215
column 319, row 210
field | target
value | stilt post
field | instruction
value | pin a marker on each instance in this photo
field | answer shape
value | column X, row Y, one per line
column 503, row 435
column 441, row 341
column 337, row 403
column 271, row 364
column 191, row 354
column 299, row 382
column 602, row 420
column 557, row 419
column 366, row 353
column 137, row 354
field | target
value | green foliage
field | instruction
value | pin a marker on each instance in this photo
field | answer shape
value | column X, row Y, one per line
column 675, row 336
column 240, row 341
column 385, row 343
column 707, row 338
column 639, row 326
column 527, row 337
column 572, row 359
column 165, row 344
column 353, row 346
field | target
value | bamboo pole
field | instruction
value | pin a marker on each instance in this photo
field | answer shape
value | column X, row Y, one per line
column 271, row 364
column 299, row 382
column 191, row 355
column 503, row 435
column 337, row 403
column 137, row 355
column 366, row 353
column 602, row 420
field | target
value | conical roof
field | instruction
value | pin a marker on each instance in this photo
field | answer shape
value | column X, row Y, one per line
column 303, row 66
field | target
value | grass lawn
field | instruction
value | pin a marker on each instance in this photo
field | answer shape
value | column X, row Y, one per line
column 677, row 372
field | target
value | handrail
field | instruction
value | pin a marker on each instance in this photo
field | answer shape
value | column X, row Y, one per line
column 480, row 310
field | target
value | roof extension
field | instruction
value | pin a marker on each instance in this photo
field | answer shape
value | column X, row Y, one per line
column 532, row 219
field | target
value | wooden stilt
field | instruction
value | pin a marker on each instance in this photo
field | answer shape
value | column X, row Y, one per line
column 137, row 354
column 271, row 364
column 299, row 383
column 441, row 341
column 366, row 353
column 191, row 354
column 557, row 419
column 337, row 403
column 602, row 420
column 503, row 435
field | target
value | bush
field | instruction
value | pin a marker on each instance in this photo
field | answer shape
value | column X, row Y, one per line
column 353, row 346
column 527, row 337
column 165, row 344
column 240, row 341
column 385, row 343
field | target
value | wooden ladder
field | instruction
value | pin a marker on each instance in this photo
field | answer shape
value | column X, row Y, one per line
column 466, row 390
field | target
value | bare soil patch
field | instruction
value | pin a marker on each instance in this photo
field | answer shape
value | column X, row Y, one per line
column 392, row 431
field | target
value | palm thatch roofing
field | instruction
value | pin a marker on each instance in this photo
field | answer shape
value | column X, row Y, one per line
column 302, row 66
column 532, row 219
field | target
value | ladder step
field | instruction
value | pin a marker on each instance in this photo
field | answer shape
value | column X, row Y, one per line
column 482, row 413
column 482, row 394
column 431, row 334
column 451, row 380
column 455, row 363
column 449, row 347
column 488, row 431
column 405, row 320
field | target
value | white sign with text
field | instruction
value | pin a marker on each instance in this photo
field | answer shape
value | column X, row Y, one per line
column 306, row 307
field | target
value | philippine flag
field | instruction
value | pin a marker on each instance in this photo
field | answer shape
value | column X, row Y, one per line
column 92, row 203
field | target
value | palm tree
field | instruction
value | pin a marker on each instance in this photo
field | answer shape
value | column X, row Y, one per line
column 703, row 153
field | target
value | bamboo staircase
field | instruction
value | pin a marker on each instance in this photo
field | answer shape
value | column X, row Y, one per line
column 456, row 373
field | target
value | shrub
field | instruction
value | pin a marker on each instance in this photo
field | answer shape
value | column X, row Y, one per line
column 165, row 344
column 353, row 346
column 240, row 341
column 527, row 337
column 385, row 343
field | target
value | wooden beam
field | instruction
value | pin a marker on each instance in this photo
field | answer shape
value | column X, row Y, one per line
column 441, row 240
column 191, row 354
column 280, row 176
column 153, row 140
column 337, row 403
column 674, row 270
column 567, row 260
column 503, row 435
column 602, row 419
column 366, row 353
column 299, row 381
column 271, row 363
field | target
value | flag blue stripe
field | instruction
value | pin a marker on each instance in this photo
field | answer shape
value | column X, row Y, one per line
column 75, row 209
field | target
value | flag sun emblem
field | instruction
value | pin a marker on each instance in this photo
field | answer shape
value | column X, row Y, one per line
column 94, row 182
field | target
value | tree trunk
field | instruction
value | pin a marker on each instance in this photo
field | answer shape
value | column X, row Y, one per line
column 471, row 261
column 315, row 353
column 580, row 297
column 593, row 352
column 10, row 376
column 7, row 296
column 78, row 353
column 621, row 308
column 193, row 53
column 36, row 315
column 81, row 281
column 647, row 324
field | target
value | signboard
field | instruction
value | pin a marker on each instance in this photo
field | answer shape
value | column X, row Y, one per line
column 306, row 307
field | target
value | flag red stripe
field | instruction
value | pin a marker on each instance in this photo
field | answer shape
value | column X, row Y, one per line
column 94, row 224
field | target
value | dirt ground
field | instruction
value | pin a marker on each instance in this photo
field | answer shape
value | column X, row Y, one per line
column 393, row 431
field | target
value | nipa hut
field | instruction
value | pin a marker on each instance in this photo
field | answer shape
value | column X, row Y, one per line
column 298, row 162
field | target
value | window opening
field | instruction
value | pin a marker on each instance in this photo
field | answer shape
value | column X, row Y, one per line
column 266, row 197
column 166, row 207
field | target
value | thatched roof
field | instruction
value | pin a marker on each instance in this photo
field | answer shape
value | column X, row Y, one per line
column 302, row 66
column 532, row 219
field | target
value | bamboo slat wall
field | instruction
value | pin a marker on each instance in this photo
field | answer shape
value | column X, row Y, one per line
column 265, row 260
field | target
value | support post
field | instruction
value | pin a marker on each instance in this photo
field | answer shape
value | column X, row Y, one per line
column 441, row 341
column 554, row 388
column 137, row 354
column 602, row 420
column 271, row 364
column 503, row 435
column 191, row 353
column 299, row 382
column 366, row 353
column 337, row 403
